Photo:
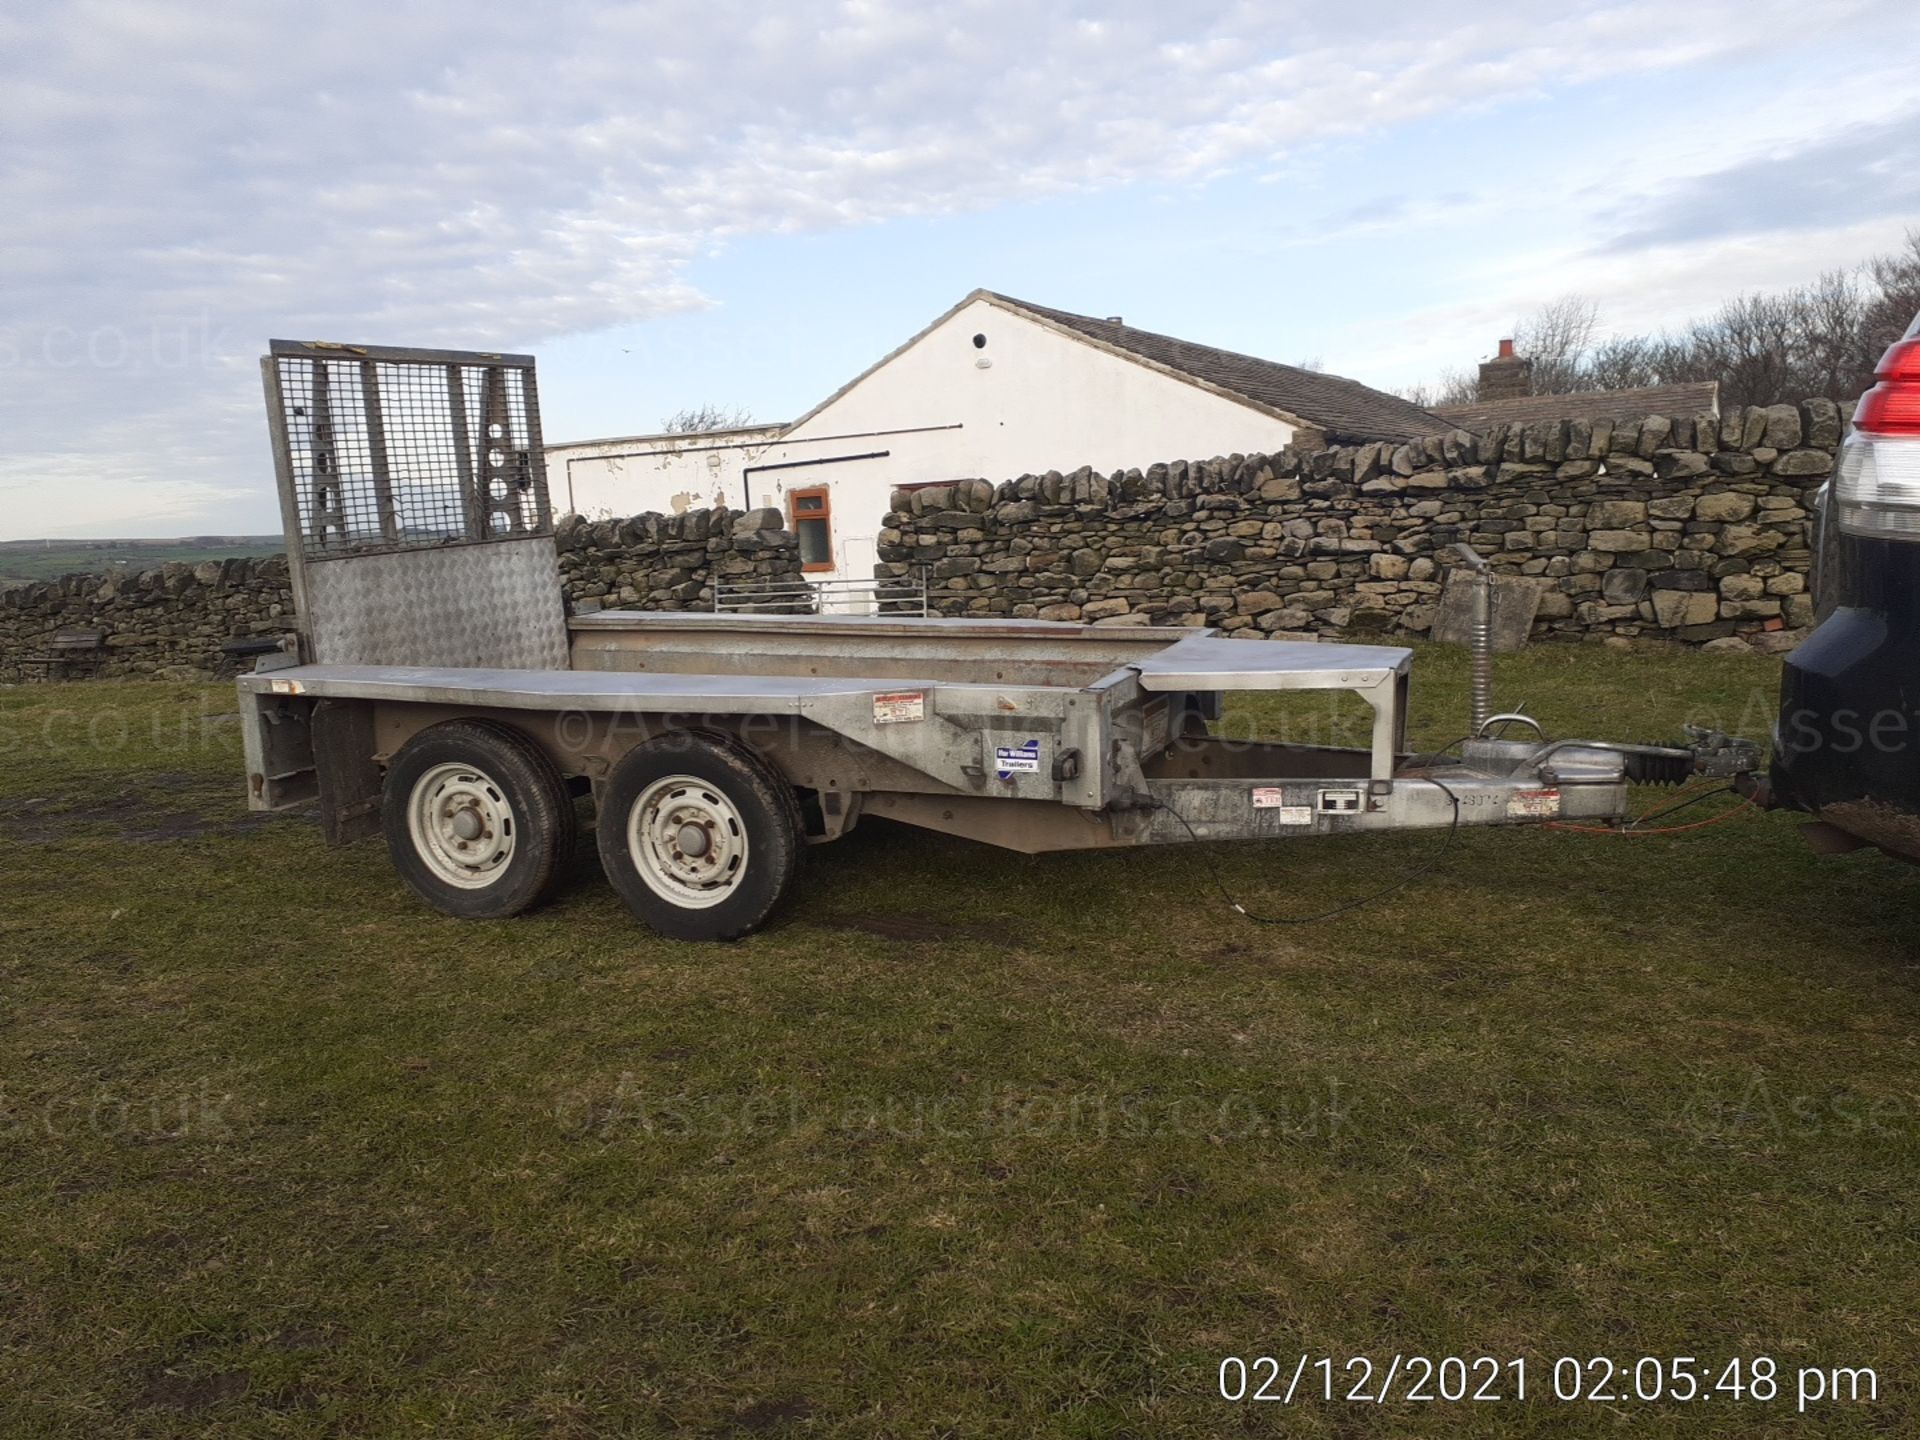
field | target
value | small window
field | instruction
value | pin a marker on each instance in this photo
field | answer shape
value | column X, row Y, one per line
column 979, row 342
column 810, row 513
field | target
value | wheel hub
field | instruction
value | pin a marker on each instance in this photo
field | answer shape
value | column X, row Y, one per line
column 461, row 825
column 688, row 841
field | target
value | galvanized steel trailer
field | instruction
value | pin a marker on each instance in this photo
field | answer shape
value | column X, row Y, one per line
column 433, row 688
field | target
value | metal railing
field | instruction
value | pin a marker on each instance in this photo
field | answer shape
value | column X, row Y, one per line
column 898, row 595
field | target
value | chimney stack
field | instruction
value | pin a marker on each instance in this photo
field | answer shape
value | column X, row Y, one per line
column 1506, row 376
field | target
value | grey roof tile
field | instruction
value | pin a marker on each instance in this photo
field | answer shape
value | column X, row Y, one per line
column 1676, row 402
column 1344, row 409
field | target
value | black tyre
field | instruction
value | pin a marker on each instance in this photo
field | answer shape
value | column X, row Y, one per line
column 478, row 821
column 700, row 837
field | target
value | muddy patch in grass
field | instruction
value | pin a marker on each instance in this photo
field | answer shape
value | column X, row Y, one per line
column 917, row 929
column 301, row 1337
column 1258, row 953
column 765, row 1415
column 161, row 807
column 191, row 1394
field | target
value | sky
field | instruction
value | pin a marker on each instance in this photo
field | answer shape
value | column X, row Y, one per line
column 746, row 204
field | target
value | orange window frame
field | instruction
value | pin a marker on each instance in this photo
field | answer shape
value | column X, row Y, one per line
column 824, row 514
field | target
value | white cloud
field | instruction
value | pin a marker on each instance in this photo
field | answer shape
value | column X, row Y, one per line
column 1697, row 226
column 183, row 175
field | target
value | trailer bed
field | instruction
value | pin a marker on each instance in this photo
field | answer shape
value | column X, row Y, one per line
column 748, row 659
column 947, row 697
column 595, row 690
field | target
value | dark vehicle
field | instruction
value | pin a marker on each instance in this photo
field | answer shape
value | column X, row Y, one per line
column 1847, row 743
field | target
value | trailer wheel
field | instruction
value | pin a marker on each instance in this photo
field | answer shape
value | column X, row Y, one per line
column 700, row 838
column 478, row 821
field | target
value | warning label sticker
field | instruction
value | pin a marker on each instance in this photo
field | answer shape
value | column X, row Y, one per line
column 899, row 706
column 1011, row 760
column 1272, row 797
column 1533, row 804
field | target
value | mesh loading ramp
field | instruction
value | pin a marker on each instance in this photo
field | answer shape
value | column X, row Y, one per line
column 413, row 492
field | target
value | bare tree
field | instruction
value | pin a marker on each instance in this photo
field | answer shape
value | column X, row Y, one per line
column 1746, row 345
column 1896, row 279
column 1831, row 344
column 1623, row 363
column 1556, row 338
column 1764, row 349
column 1821, row 338
column 1454, row 387
column 701, row 419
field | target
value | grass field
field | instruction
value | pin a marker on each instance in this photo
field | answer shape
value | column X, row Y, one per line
column 969, row 1144
column 28, row 560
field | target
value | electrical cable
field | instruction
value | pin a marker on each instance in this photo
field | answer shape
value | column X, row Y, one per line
column 1630, row 831
column 1677, row 807
column 1418, row 872
column 1431, row 756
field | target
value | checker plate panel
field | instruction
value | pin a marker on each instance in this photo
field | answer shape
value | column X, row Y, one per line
column 495, row 606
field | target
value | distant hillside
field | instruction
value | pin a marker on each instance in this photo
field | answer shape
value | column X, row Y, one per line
column 50, row 559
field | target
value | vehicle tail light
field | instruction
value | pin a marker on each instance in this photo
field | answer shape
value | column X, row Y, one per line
column 1876, row 489
column 1892, row 407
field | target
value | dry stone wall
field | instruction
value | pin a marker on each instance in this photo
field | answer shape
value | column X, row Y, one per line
column 670, row 562
column 168, row 622
column 171, row 622
column 1693, row 529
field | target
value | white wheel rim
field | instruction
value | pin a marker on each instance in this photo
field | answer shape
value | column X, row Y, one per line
column 688, row 841
column 462, row 826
